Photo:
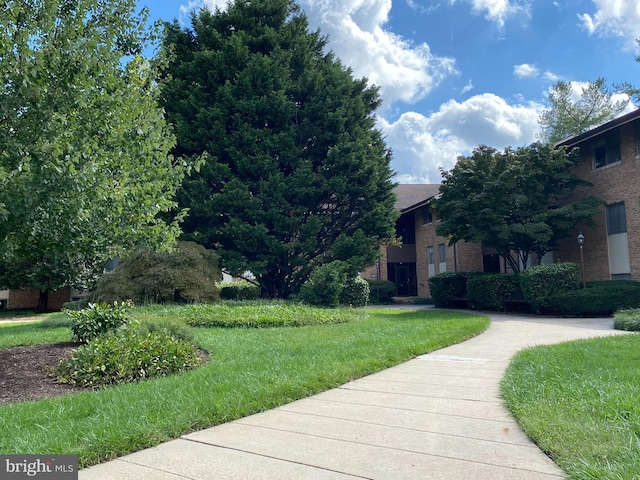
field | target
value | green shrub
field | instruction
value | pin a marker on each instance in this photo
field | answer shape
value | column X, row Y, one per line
column 76, row 304
column 98, row 319
column 127, row 355
column 423, row 301
column 188, row 274
column 324, row 287
column 355, row 292
column 627, row 319
column 241, row 290
column 540, row 282
column 597, row 301
column 614, row 284
column 446, row 287
column 488, row 292
column 175, row 327
column 381, row 291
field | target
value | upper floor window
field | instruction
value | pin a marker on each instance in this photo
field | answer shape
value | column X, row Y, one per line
column 427, row 215
column 638, row 138
column 606, row 150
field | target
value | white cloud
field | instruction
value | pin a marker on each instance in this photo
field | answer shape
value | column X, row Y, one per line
column 423, row 144
column 618, row 18
column 525, row 70
column 467, row 88
column 356, row 28
column 499, row 11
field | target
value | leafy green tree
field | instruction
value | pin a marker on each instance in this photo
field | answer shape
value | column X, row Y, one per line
column 515, row 201
column 186, row 274
column 568, row 116
column 296, row 174
column 84, row 164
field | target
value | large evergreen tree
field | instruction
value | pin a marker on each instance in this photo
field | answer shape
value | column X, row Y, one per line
column 84, row 146
column 516, row 201
column 296, row 174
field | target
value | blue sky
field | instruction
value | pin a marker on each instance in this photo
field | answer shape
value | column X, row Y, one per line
column 454, row 74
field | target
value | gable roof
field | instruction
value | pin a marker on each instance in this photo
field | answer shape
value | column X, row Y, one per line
column 594, row 132
column 410, row 197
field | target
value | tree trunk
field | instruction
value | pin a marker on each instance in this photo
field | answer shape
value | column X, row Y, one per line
column 43, row 301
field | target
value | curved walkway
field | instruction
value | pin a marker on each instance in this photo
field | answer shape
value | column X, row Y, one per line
column 438, row 416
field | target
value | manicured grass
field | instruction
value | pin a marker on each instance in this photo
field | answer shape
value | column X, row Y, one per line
column 251, row 314
column 579, row 402
column 250, row 370
column 16, row 334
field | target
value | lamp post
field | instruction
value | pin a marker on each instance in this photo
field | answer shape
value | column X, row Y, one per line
column 581, row 243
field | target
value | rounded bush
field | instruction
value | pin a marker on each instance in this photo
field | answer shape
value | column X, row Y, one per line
column 241, row 290
column 381, row 291
column 98, row 319
column 325, row 285
column 627, row 319
column 127, row 355
column 355, row 292
column 488, row 292
column 540, row 282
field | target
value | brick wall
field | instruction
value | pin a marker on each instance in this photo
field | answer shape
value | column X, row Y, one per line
column 27, row 298
column 614, row 183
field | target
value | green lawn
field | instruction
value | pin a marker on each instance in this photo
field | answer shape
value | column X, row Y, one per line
column 250, row 370
column 580, row 402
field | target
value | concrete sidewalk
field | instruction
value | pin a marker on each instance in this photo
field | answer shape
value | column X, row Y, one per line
column 438, row 416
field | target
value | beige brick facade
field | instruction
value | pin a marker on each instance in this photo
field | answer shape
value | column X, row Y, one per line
column 613, row 183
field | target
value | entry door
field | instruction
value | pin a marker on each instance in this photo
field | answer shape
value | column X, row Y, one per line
column 403, row 281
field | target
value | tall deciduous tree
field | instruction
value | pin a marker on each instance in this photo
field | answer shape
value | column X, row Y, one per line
column 297, row 175
column 568, row 116
column 515, row 201
column 84, row 146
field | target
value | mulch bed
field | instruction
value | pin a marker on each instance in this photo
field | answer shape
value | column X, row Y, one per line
column 24, row 372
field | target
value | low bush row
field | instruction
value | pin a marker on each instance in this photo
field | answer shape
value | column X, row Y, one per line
column 545, row 289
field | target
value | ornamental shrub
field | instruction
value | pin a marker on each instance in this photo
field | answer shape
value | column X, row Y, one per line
column 540, row 282
column 98, row 319
column 355, row 292
column 446, row 287
column 240, row 290
column 188, row 274
column 127, row 355
column 381, row 291
column 324, row 287
column 599, row 300
column 627, row 319
column 172, row 326
column 488, row 292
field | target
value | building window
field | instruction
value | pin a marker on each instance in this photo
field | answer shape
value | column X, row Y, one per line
column 606, row 151
column 427, row 215
column 431, row 255
column 442, row 252
column 616, row 219
column 638, row 139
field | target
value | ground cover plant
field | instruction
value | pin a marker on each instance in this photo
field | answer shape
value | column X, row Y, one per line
column 249, row 370
column 578, row 402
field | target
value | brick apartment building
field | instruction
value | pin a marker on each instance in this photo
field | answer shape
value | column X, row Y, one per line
column 610, row 160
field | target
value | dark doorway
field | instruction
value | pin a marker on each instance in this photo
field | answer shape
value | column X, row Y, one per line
column 491, row 263
column 405, row 278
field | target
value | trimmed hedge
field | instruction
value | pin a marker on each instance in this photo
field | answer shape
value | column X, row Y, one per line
column 540, row 282
column 381, row 291
column 488, row 292
column 600, row 300
column 446, row 287
column 241, row 290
